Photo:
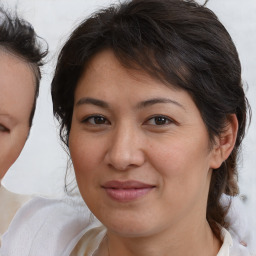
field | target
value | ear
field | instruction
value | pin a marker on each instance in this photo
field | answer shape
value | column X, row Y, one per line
column 224, row 143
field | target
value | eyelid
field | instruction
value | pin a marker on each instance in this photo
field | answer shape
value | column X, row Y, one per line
column 87, row 118
column 4, row 128
column 163, row 116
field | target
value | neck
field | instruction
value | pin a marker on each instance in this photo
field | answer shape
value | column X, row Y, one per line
column 198, row 240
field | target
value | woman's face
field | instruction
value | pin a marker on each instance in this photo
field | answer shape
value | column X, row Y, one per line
column 17, row 89
column 140, row 150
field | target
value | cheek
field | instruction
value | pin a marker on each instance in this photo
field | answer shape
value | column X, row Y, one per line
column 11, row 147
column 85, row 155
column 183, row 167
column 178, row 155
column 86, row 161
column 18, row 143
column 171, row 159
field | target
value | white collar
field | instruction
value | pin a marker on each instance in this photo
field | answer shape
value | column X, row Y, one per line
column 227, row 243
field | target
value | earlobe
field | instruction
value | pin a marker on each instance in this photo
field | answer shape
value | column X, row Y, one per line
column 225, row 142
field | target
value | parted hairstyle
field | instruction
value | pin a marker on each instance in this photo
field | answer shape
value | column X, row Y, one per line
column 19, row 38
column 179, row 42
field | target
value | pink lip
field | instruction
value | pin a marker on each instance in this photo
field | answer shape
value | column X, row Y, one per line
column 125, row 191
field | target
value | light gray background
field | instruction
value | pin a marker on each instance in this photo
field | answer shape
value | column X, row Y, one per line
column 41, row 167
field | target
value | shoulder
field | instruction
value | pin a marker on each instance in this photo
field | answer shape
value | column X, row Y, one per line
column 45, row 227
column 10, row 203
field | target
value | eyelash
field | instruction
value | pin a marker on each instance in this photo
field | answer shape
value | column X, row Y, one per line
column 3, row 128
column 104, row 121
column 94, row 117
column 164, row 118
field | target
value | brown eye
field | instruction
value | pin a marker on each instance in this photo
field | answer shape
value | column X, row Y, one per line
column 96, row 120
column 99, row 120
column 159, row 120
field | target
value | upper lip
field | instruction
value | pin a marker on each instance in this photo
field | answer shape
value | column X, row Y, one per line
column 129, row 184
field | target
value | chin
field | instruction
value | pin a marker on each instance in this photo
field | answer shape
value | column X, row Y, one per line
column 126, row 228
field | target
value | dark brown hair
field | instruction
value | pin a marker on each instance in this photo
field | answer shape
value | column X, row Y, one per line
column 178, row 42
column 18, row 37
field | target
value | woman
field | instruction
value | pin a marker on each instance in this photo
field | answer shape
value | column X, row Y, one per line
column 20, row 60
column 152, row 109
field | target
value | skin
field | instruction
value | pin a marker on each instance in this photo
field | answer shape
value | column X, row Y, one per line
column 128, row 142
column 17, row 89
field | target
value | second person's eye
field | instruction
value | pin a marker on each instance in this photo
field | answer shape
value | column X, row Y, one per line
column 3, row 128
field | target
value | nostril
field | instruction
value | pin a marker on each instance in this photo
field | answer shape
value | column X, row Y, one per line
column 117, row 167
column 121, row 167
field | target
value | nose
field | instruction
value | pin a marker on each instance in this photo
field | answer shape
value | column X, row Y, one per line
column 125, row 148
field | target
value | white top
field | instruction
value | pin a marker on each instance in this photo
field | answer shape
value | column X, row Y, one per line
column 55, row 227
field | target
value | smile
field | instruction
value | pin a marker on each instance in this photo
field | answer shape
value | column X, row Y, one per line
column 126, row 191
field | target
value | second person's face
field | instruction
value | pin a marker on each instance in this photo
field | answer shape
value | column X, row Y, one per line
column 17, row 90
column 140, row 150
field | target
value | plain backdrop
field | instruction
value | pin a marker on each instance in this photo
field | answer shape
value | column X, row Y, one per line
column 40, row 169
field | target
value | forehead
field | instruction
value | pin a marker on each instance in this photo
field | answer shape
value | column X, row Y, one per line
column 105, row 72
column 105, row 69
column 17, row 86
column 106, row 79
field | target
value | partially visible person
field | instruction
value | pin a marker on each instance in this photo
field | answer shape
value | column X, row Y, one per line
column 20, row 60
column 21, row 56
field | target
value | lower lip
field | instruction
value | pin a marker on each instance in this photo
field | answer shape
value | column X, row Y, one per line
column 126, row 195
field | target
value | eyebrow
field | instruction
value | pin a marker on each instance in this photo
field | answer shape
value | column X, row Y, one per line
column 143, row 104
column 96, row 102
column 150, row 102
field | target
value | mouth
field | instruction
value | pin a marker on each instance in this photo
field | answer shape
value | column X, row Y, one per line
column 125, row 191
